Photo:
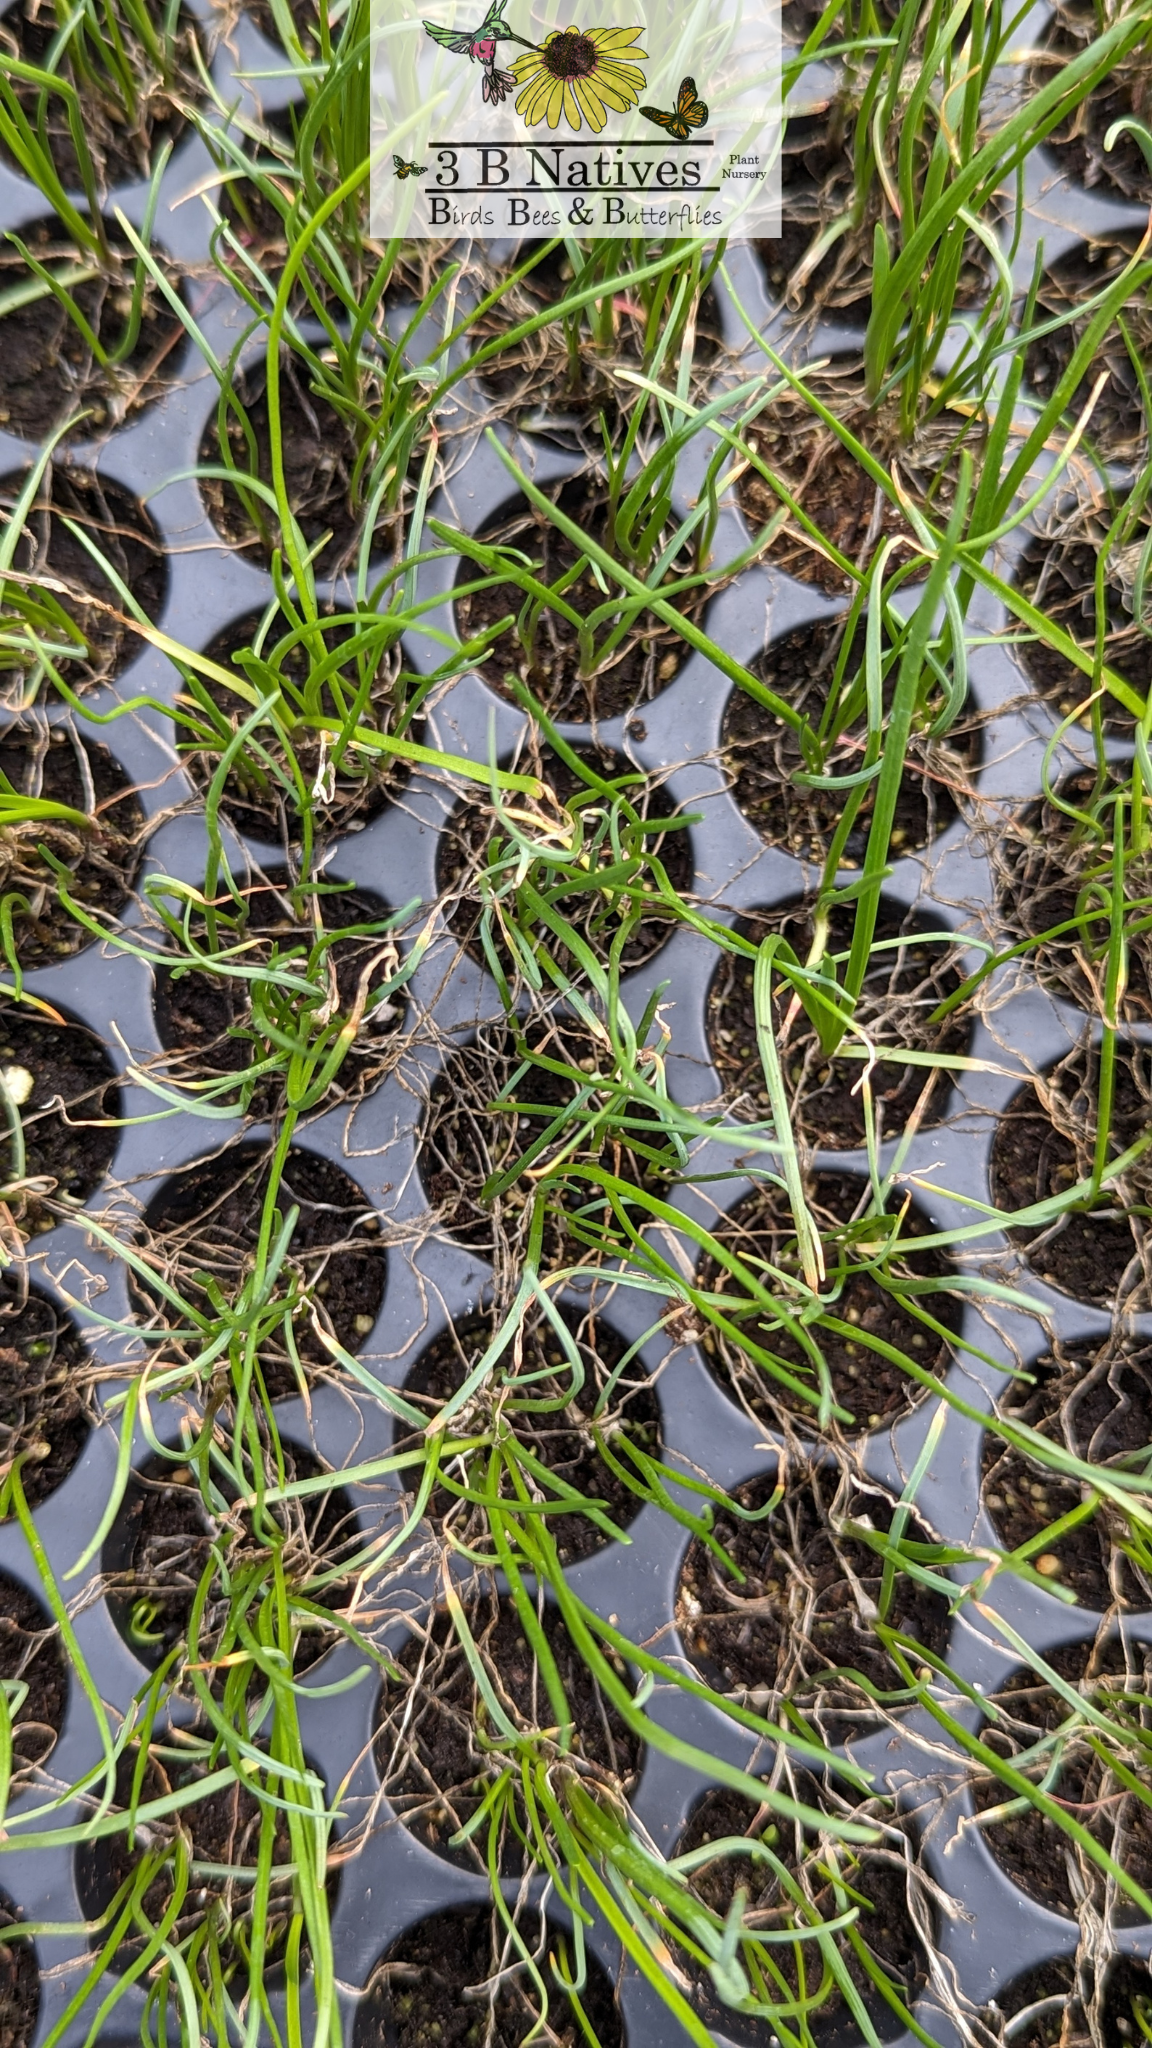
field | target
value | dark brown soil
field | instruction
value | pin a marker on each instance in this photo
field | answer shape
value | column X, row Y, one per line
column 798, row 1621
column 473, row 838
column 760, row 1231
column 1057, row 1992
column 1098, row 1404
column 817, row 185
column 1050, row 869
column 1077, row 142
column 535, row 1370
column 223, row 1828
column 19, row 1984
column 1057, row 572
column 48, row 371
column 254, row 218
column 45, row 1403
column 261, row 802
column 118, row 525
column 849, row 510
column 1117, row 424
column 69, row 1138
column 1036, row 1853
column 100, row 856
column 428, row 1990
column 205, row 1221
column 877, row 1883
column 30, row 1655
column 161, row 1545
column 433, row 1743
column 320, row 452
column 469, row 1136
column 120, row 154
column 1044, row 1145
column 762, row 757
column 203, row 1017
column 642, row 665
column 902, row 987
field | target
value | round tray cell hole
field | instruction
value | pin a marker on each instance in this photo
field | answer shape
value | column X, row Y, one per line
column 909, row 974
column 796, row 1621
column 562, row 1437
column 206, row 1220
column 870, row 1387
column 320, row 457
column 45, row 1397
column 259, row 794
column 474, row 836
column 50, row 374
column 1045, row 2008
column 648, row 656
column 468, row 1135
column 762, row 757
column 61, row 1080
column 1116, row 429
column 223, row 1828
column 434, row 1768
column 1034, row 1851
column 161, row 1544
column 429, row 1986
column 1078, row 141
column 1098, row 1405
column 100, row 855
column 202, row 1018
column 1057, row 573
column 19, row 1980
column 116, row 523
column 1044, row 1145
column 31, row 1657
column 880, row 1883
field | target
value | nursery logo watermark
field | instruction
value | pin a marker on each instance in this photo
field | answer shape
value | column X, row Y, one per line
column 631, row 119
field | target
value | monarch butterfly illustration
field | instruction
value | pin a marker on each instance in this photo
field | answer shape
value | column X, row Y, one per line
column 690, row 112
column 404, row 170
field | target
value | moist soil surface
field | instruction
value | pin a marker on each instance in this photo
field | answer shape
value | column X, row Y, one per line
column 206, row 1219
column 100, row 856
column 200, row 1015
column 19, row 1983
column 319, row 458
column 1077, row 142
column 45, row 1411
column 561, row 1439
column 467, row 1136
column 878, row 1884
column 902, row 987
column 1098, row 1404
column 30, row 1654
column 472, row 839
column 643, row 664
column 1057, row 572
column 871, row 1387
column 256, row 799
column 427, row 1990
column 118, row 525
column 1044, row 1145
column 761, row 756
column 223, row 1828
column 798, row 1621
column 66, row 1143
column 1050, row 870
column 1116, row 427
column 48, row 370
column 161, row 1543
column 121, row 154
column 433, row 1724
column 1057, row 1992
column 1035, row 1852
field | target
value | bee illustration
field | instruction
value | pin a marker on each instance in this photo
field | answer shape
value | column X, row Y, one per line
column 404, row 170
column 690, row 112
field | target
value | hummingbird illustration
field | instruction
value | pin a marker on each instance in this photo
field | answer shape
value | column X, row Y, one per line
column 480, row 46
